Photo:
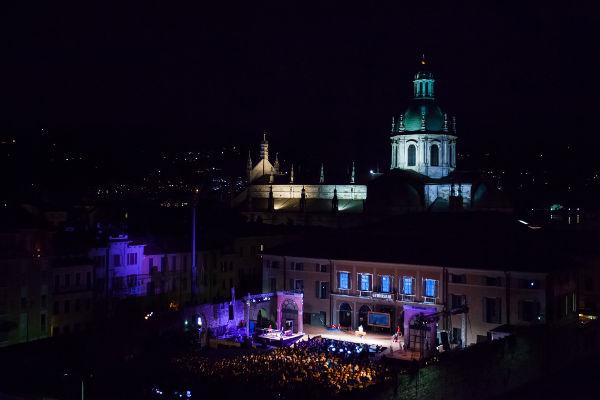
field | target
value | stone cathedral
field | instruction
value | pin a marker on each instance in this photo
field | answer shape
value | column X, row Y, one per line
column 424, row 141
column 422, row 175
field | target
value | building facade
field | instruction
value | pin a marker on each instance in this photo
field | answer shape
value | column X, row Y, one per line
column 345, row 292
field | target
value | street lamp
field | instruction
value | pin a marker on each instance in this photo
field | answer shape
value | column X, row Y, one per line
column 67, row 374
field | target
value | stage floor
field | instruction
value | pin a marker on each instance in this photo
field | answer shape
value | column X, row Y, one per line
column 384, row 340
column 274, row 339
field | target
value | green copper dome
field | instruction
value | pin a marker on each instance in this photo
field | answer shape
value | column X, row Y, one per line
column 434, row 117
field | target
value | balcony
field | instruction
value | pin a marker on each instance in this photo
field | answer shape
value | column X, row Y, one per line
column 406, row 297
column 376, row 295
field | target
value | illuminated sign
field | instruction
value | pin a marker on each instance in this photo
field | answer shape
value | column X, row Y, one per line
column 379, row 319
column 387, row 296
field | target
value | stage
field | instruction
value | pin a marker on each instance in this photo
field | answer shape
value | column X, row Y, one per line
column 274, row 338
column 383, row 340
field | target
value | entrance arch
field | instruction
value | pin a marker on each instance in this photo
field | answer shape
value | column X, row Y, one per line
column 363, row 316
column 289, row 314
column 345, row 317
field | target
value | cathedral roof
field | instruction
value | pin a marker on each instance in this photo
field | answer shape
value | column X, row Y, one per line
column 434, row 117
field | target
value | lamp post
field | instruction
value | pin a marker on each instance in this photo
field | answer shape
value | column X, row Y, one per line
column 68, row 374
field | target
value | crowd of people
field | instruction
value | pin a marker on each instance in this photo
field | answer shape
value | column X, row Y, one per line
column 312, row 362
column 343, row 349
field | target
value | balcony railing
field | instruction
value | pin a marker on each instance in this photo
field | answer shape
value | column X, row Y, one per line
column 409, row 298
column 406, row 297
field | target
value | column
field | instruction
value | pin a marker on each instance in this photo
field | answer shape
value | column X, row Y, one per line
column 402, row 153
column 394, row 154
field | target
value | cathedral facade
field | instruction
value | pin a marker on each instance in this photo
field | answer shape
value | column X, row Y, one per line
column 422, row 175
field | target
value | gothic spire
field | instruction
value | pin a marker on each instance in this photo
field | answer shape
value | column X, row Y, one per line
column 353, row 175
column 445, row 122
column 454, row 124
column 322, row 177
column 276, row 166
column 271, row 175
column 264, row 147
column 423, row 128
column 393, row 125
column 292, row 174
column 401, row 128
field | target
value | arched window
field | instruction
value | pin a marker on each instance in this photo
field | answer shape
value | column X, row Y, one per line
column 435, row 155
column 412, row 155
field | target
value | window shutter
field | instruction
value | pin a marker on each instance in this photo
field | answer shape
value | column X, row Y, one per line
column 484, row 308
column 317, row 291
column 499, row 308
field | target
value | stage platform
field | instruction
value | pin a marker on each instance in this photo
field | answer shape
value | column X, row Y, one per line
column 275, row 339
column 383, row 340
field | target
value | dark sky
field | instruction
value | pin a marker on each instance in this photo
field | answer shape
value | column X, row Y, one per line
column 323, row 80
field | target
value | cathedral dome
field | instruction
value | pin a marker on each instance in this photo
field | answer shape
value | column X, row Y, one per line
column 434, row 117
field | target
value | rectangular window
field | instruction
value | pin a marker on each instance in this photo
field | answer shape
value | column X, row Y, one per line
column 173, row 263
column 321, row 289
column 273, row 284
column 275, row 264
column 430, row 286
column 386, row 284
column 150, row 263
column 131, row 280
column 163, row 264
column 528, row 310
column 408, row 287
column 43, row 301
column 117, row 260
column 455, row 278
column 56, row 282
column 131, row 258
column 493, row 281
column 365, row 282
column 491, row 310
column 43, row 323
column 88, row 280
column 321, row 267
column 344, row 280
column 67, row 280
column 458, row 300
column 299, row 266
column 299, row 285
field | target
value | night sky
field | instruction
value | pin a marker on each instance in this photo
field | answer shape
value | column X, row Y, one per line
column 323, row 80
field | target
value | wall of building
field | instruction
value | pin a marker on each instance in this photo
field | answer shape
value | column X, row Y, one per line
column 478, row 285
column 444, row 191
column 24, row 299
column 474, row 286
column 72, row 299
